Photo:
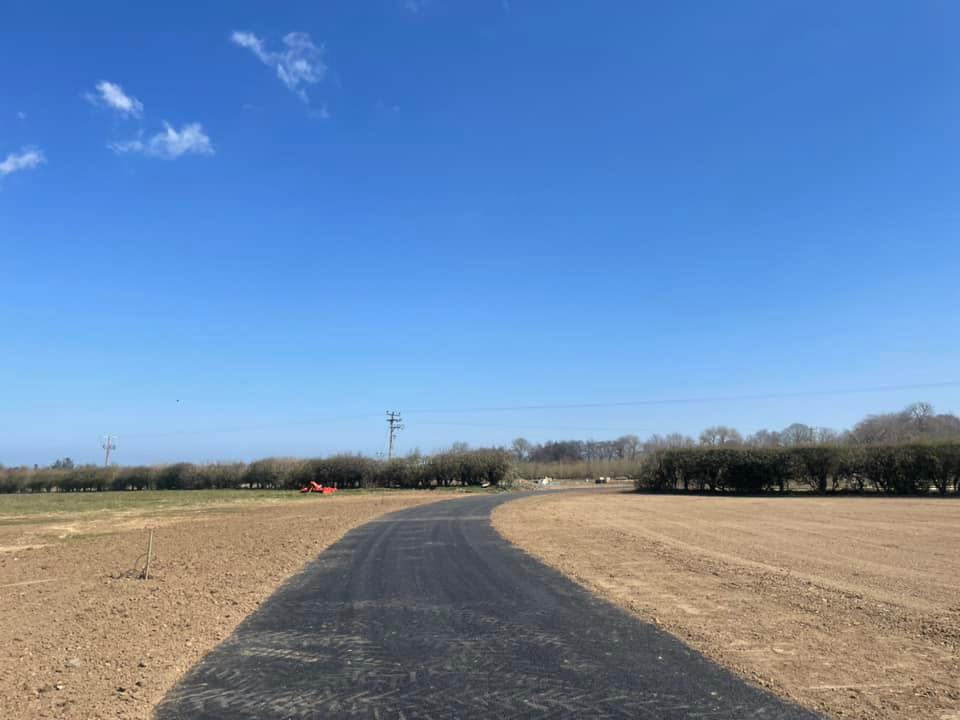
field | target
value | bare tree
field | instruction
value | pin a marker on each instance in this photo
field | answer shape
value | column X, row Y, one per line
column 825, row 436
column 912, row 423
column 521, row 449
column 628, row 447
column 797, row 434
column 764, row 438
column 671, row 440
column 718, row 435
column 920, row 414
column 559, row 451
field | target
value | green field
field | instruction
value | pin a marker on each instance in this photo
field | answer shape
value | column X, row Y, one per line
column 14, row 507
column 20, row 508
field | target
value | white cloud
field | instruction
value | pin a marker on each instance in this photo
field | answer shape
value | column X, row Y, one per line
column 112, row 95
column 169, row 144
column 300, row 64
column 21, row 115
column 27, row 158
column 252, row 43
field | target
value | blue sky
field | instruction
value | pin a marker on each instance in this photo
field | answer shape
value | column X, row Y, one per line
column 244, row 230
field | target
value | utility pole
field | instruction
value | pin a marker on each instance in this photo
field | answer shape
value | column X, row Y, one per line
column 395, row 422
column 109, row 444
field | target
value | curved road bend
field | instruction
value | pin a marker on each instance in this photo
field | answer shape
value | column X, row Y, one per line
column 429, row 613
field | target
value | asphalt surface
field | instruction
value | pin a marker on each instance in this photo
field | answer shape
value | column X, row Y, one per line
column 429, row 613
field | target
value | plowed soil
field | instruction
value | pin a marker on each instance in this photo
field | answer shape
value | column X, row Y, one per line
column 850, row 606
column 82, row 637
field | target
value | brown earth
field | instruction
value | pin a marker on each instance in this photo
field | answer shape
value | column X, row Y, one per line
column 849, row 605
column 82, row 637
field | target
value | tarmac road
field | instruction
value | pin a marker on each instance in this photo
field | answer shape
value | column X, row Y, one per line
column 429, row 613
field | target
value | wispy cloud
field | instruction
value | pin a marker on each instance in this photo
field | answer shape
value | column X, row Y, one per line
column 169, row 144
column 300, row 64
column 112, row 95
column 21, row 115
column 27, row 158
column 413, row 6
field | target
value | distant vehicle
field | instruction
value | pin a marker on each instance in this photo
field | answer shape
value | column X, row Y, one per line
column 314, row 487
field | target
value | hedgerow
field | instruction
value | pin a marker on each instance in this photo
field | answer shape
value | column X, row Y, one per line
column 911, row 469
column 341, row 471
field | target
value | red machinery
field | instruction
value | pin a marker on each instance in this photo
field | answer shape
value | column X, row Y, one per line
column 314, row 487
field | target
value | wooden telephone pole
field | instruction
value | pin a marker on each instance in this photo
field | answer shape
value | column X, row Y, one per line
column 395, row 422
column 109, row 444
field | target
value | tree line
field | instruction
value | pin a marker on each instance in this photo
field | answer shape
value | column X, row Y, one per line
column 449, row 469
column 626, row 456
column 916, row 422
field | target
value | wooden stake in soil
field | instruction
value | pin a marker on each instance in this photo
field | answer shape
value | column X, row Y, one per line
column 146, row 569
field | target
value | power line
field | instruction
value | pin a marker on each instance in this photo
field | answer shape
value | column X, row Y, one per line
column 513, row 427
column 652, row 402
column 691, row 400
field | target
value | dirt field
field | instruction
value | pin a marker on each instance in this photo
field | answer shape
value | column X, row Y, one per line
column 83, row 638
column 848, row 605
